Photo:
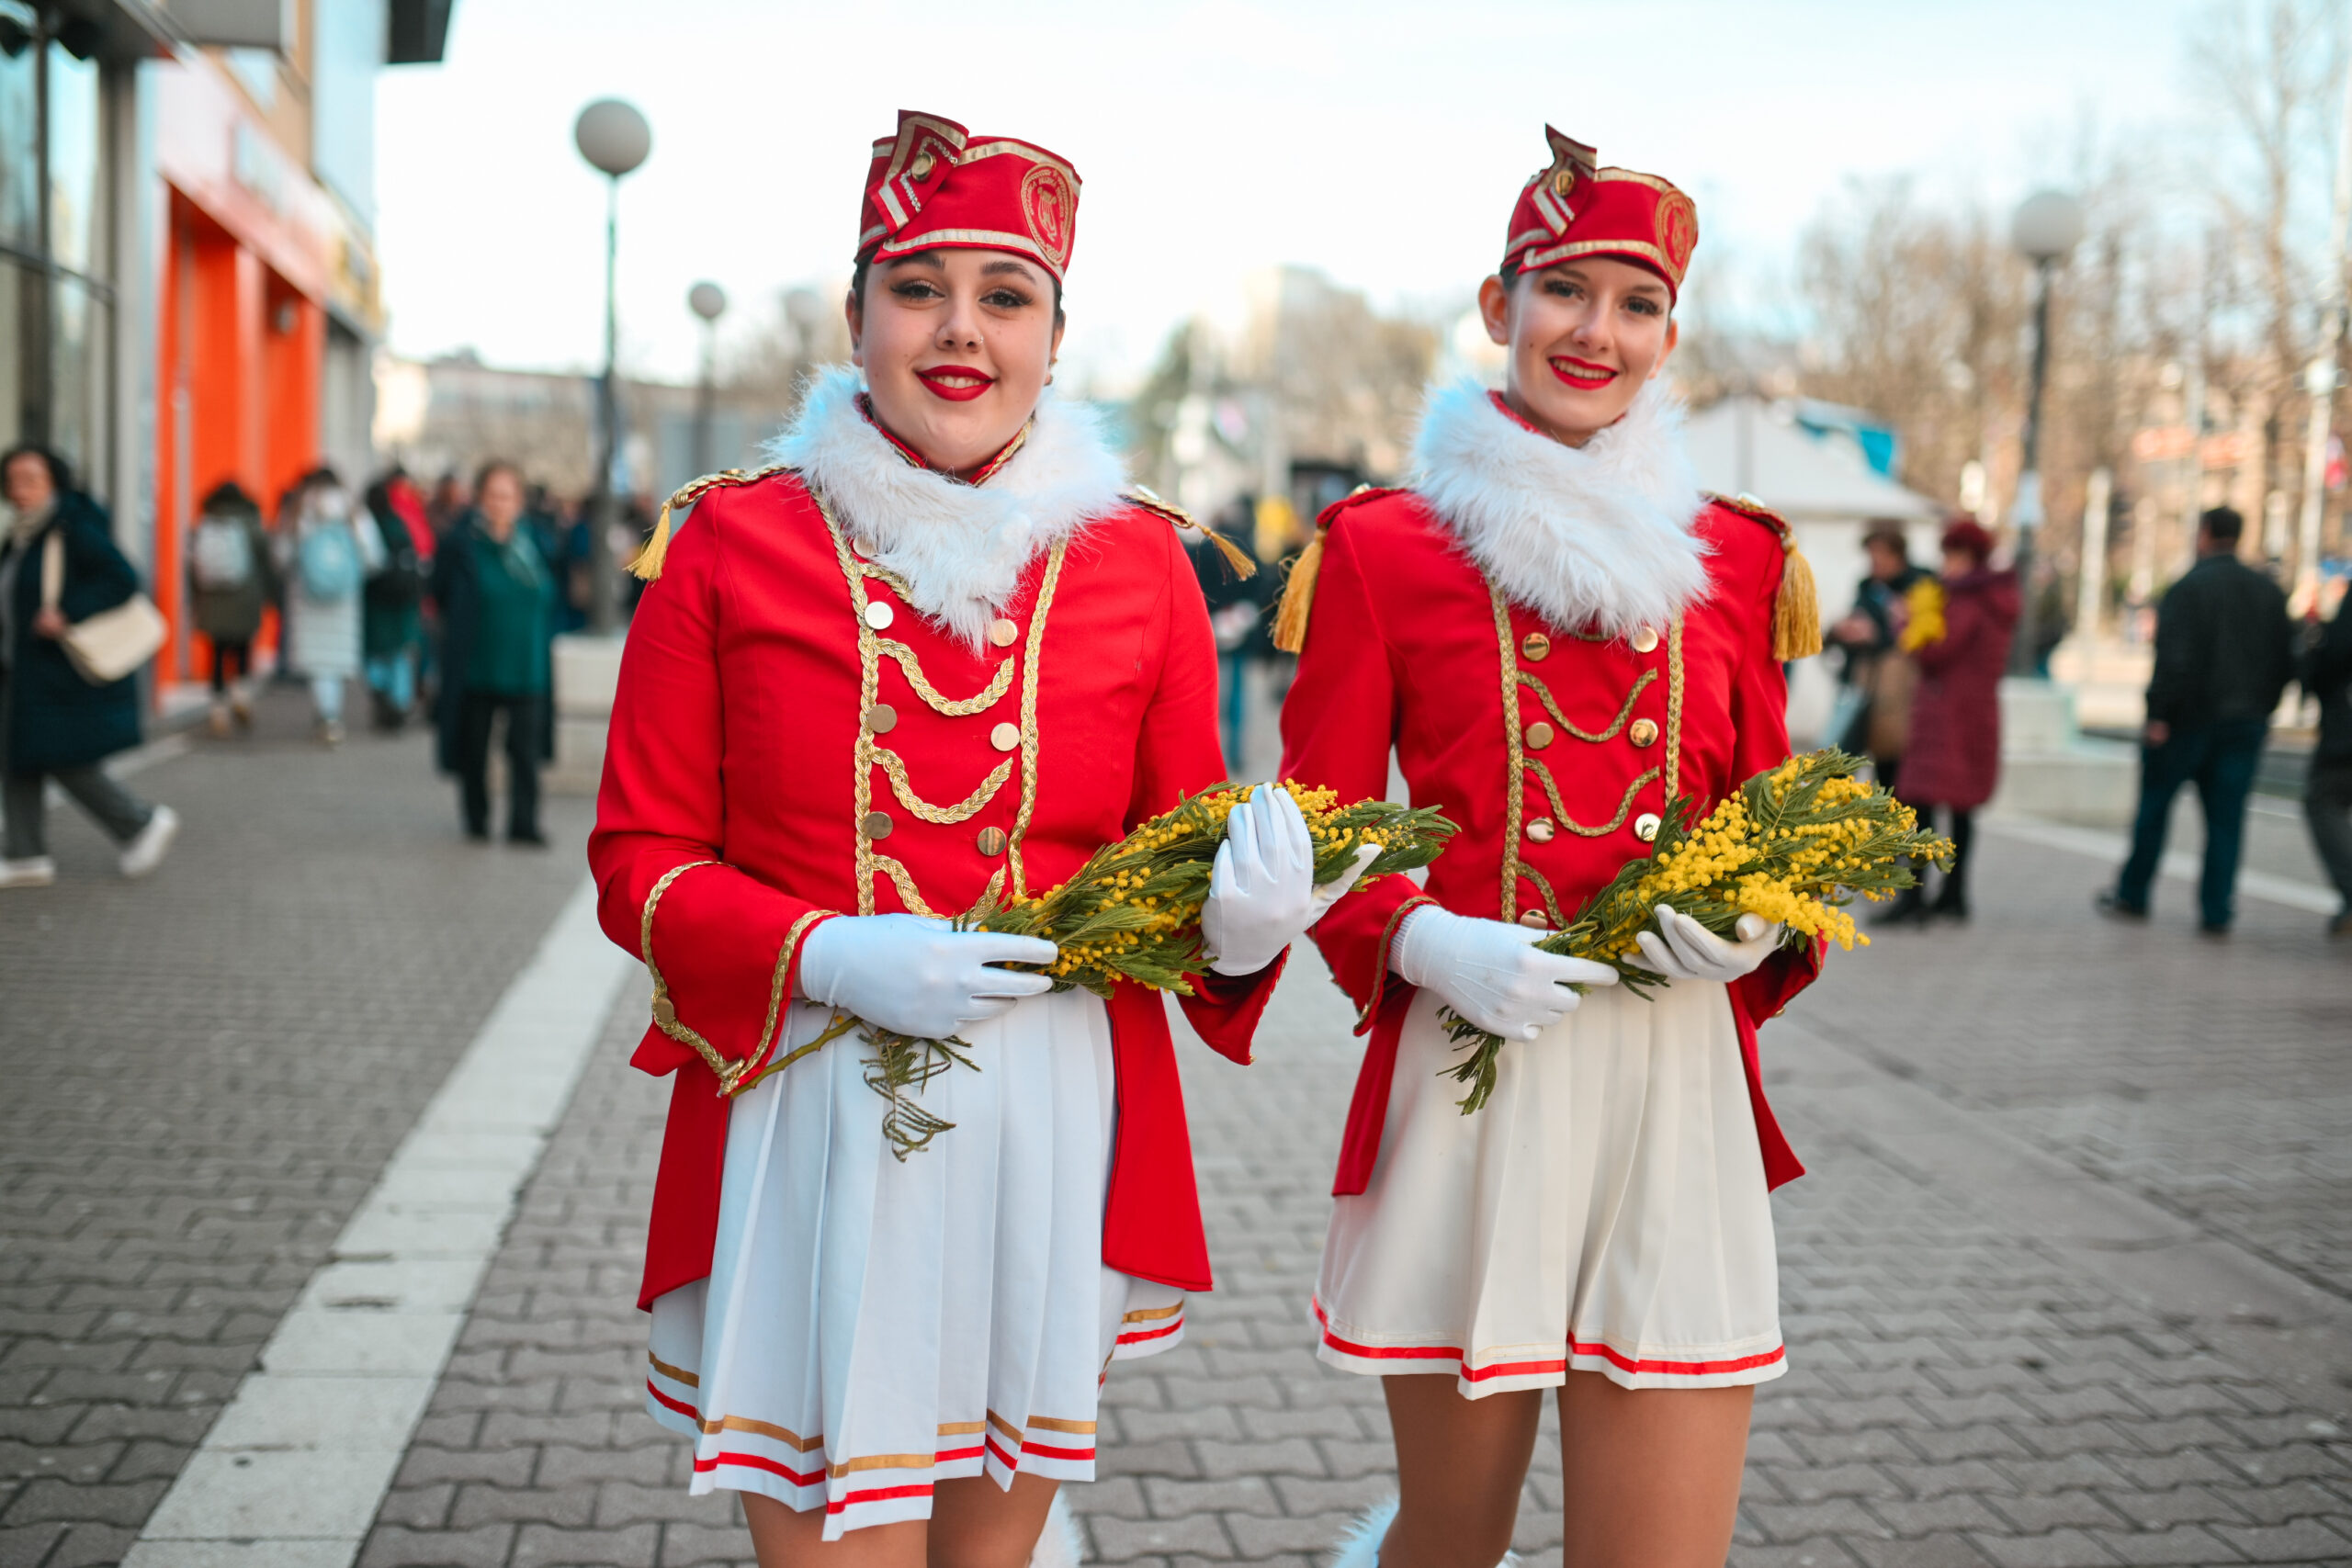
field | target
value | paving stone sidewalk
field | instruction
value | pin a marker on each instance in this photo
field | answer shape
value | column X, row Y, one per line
column 1962, row 1393
column 205, row 1072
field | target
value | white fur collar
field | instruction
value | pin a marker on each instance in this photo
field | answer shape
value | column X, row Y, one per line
column 960, row 548
column 1598, row 536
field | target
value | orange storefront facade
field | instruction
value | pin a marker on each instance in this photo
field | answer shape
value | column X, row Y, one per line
column 255, row 258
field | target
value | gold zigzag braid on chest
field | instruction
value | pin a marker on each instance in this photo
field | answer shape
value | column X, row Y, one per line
column 938, row 701
column 868, row 754
column 1528, row 679
column 1519, row 765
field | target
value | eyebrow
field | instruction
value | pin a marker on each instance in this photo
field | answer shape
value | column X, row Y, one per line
column 1008, row 266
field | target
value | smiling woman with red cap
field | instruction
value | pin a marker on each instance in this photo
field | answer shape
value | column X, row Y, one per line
column 1558, row 635
column 936, row 650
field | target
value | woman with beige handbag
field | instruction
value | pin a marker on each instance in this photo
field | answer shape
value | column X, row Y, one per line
column 74, row 630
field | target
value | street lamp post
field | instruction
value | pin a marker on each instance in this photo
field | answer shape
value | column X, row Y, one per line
column 709, row 301
column 614, row 139
column 2046, row 227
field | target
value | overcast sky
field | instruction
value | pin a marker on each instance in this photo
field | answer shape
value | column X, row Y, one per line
column 1381, row 142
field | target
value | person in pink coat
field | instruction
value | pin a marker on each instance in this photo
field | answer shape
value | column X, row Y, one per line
column 1954, row 759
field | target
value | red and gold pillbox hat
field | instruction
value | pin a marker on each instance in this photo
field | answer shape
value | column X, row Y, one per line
column 1573, row 208
column 936, row 186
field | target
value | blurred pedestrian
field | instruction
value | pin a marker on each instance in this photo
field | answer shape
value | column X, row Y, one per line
column 1879, row 680
column 53, row 722
column 2327, row 674
column 1236, row 604
column 393, row 626
column 1954, row 760
column 2224, row 651
column 448, row 502
column 231, row 581
column 325, row 554
column 497, row 601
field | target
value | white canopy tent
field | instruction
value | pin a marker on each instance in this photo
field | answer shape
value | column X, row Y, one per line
column 1744, row 445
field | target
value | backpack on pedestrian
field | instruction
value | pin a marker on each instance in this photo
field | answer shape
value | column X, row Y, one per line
column 400, row 581
column 221, row 554
column 328, row 559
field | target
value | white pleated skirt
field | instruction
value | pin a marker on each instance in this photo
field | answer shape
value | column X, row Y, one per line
column 870, row 1328
column 1606, row 1212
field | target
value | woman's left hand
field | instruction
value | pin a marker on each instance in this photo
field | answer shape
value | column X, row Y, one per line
column 50, row 623
column 1261, row 893
column 1682, row 949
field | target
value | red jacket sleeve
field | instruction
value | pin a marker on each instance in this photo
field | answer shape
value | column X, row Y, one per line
column 1759, row 717
column 1178, row 754
column 723, row 947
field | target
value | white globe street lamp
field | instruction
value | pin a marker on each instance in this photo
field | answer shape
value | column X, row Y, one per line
column 614, row 138
column 2046, row 228
column 707, row 301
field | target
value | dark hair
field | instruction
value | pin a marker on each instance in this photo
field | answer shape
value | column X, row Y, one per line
column 61, row 472
column 866, row 264
column 1968, row 537
column 1888, row 531
column 2221, row 524
column 229, row 496
column 490, row 470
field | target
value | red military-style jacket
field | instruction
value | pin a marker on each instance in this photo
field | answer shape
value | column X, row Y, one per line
column 791, row 740
column 1553, row 752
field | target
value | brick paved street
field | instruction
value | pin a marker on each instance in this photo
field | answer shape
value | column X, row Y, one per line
column 2067, row 1284
column 204, row 1073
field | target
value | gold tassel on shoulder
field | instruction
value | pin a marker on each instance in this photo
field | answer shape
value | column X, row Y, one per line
column 1298, row 595
column 1796, row 613
column 647, row 564
column 1235, row 555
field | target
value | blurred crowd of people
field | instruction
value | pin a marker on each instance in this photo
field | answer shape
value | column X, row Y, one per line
column 443, row 603
column 1919, row 695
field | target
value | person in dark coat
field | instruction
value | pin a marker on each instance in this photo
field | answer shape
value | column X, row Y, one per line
column 2224, row 651
column 392, row 617
column 1954, row 760
column 53, row 724
column 1879, row 690
column 2327, row 674
column 1237, row 605
column 232, row 579
column 497, row 604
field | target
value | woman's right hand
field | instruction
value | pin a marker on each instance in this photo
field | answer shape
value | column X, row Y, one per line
column 917, row 977
column 1491, row 973
column 50, row 622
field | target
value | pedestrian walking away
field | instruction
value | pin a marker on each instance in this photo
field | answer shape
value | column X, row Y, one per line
column 1559, row 634
column 2224, row 653
column 914, row 1346
column 54, row 722
column 232, row 580
column 2327, row 676
column 325, row 553
column 497, row 603
column 392, row 624
column 1954, row 761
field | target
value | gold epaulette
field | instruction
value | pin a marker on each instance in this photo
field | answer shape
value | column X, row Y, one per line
column 1235, row 557
column 647, row 564
column 1298, row 590
column 1796, row 613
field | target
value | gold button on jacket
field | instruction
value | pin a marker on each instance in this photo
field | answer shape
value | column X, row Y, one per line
column 1646, row 826
column 1643, row 733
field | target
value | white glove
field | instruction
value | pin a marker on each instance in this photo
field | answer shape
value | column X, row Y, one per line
column 1261, row 893
column 917, row 977
column 1490, row 973
column 1682, row 949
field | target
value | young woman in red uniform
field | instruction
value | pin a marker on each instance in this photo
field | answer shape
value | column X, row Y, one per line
column 936, row 650
column 1557, row 634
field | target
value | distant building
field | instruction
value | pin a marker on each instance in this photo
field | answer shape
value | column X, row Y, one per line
column 189, row 288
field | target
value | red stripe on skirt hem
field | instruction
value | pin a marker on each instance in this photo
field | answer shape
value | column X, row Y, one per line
column 1529, row 1369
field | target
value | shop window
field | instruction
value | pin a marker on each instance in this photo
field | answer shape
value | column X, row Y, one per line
column 19, row 143
column 83, row 323
column 76, row 187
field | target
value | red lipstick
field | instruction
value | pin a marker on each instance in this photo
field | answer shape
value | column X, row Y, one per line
column 1582, row 374
column 956, row 383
